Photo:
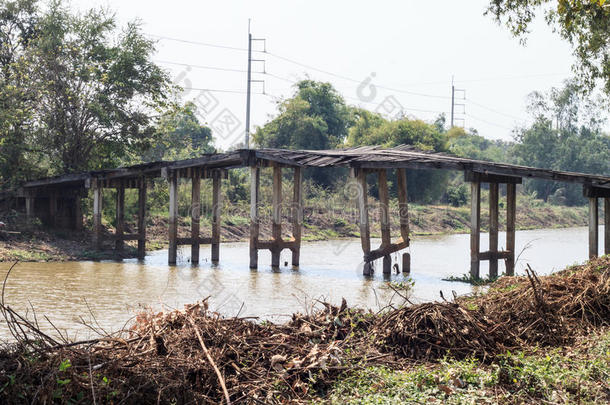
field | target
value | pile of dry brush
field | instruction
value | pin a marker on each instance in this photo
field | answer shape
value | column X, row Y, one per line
column 197, row 356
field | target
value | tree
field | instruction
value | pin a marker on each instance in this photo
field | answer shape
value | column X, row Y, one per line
column 97, row 90
column 566, row 135
column 179, row 135
column 584, row 23
column 371, row 129
column 315, row 118
column 18, row 21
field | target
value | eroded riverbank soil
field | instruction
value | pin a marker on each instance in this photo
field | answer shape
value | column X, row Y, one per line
column 28, row 242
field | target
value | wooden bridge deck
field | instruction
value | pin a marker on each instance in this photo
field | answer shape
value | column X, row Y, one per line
column 361, row 161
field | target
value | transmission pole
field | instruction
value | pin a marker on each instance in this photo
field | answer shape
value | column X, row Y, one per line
column 462, row 92
column 249, row 87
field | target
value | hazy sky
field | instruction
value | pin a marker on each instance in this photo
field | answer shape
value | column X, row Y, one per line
column 409, row 50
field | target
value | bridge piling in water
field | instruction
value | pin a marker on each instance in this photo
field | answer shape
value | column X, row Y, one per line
column 56, row 200
column 492, row 255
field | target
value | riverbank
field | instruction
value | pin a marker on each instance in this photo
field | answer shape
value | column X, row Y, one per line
column 534, row 339
column 35, row 243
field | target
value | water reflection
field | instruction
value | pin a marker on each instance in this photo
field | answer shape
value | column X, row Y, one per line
column 109, row 293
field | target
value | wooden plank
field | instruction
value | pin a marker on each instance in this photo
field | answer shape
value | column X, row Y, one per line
column 593, row 228
column 216, row 211
column 272, row 245
column 276, row 225
column 195, row 215
column 297, row 215
column 172, row 252
column 470, row 176
column 97, row 214
column 254, row 218
column 493, row 228
column 385, row 251
column 189, row 241
column 607, row 226
column 489, row 255
column 403, row 203
column 120, row 218
column 597, row 192
column 511, row 219
column 475, row 228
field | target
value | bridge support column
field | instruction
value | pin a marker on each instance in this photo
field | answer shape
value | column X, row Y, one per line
column 607, row 226
column 255, row 179
column 216, row 210
column 475, row 228
column 78, row 213
column 119, row 243
column 493, row 229
column 97, row 214
column 142, row 218
column 53, row 208
column 493, row 255
column 387, row 247
column 384, row 217
column 403, row 214
column 593, row 228
column 511, row 217
column 29, row 207
column 297, row 215
column 195, row 215
column 276, row 219
column 173, row 218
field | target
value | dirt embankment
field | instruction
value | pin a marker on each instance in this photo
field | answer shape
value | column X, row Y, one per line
column 28, row 243
column 195, row 356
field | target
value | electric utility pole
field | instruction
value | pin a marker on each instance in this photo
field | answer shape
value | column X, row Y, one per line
column 462, row 93
column 249, row 87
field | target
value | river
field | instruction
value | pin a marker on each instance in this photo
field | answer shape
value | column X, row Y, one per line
column 105, row 295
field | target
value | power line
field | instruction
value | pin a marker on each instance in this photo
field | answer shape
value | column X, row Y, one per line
column 188, row 65
column 217, row 90
column 488, row 122
column 492, row 110
column 187, row 41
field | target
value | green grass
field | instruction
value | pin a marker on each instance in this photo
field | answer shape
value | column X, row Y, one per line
column 28, row 256
column 557, row 376
column 469, row 279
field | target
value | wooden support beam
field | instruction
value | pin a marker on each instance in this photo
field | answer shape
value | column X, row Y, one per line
column 216, row 210
column 475, row 228
column 403, row 204
column 511, row 219
column 97, row 214
column 78, row 213
column 189, row 241
column 120, row 218
column 494, row 255
column 29, row 207
column 359, row 176
column 254, row 218
column 384, row 251
column 142, row 219
column 493, row 228
column 173, row 218
column 607, row 226
column 53, row 208
column 297, row 215
column 195, row 215
column 276, row 225
column 479, row 177
column 384, row 217
column 593, row 228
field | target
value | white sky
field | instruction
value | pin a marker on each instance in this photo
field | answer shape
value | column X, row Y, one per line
column 412, row 46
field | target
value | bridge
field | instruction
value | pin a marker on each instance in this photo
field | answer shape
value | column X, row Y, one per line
column 57, row 200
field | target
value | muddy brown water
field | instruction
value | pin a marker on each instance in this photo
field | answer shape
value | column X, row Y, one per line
column 105, row 295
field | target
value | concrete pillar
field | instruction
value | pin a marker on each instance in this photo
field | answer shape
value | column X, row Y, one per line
column 475, row 228
column 216, row 210
column 173, row 218
column 254, row 218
